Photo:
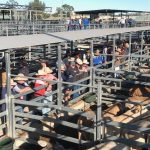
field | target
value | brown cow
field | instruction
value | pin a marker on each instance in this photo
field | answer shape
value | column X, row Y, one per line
column 109, row 113
column 140, row 95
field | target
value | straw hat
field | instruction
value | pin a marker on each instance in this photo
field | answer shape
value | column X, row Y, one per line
column 85, row 61
column 20, row 77
column 71, row 59
column 79, row 61
column 41, row 73
column 12, row 82
column 48, row 70
column 42, row 143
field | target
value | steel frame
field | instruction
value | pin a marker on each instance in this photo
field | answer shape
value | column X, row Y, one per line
column 99, row 124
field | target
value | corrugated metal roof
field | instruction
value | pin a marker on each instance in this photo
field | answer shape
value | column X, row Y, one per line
column 21, row 41
column 108, row 11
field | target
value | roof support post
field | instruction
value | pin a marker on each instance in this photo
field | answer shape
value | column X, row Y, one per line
column 30, row 15
column 59, row 85
column 91, row 66
column 29, row 54
column 44, row 51
column 113, row 18
column 99, row 110
column 120, row 36
column 3, row 14
column 10, row 14
column 36, row 15
column 142, row 42
column 121, row 14
column 107, row 38
column 49, row 48
column 27, row 14
column 72, row 46
column 129, row 58
column 9, row 101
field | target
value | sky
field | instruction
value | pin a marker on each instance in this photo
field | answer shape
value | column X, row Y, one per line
column 95, row 4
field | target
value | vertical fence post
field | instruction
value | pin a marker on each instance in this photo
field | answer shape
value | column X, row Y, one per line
column 91, row 67
column 9, row 101
column 71, row 46
column 59, row 100
column 142, row 43
column 49, row 49
column 44, row 52
column 7, row 34
column 99, row 110
column 129, row 55
column 33, row 27
column 95, row 128
column 29, row 54
column 114, row 44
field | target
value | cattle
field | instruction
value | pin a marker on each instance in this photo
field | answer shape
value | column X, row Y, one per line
column 140, row 95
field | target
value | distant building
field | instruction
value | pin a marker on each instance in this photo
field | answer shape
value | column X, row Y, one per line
column 112, row 14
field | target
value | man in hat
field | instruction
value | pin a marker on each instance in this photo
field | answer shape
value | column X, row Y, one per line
column 48, row 76
column 41, row 74
column 21, row 86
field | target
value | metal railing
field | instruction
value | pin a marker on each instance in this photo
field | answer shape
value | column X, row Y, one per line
column 8, row 29
column 96, row 84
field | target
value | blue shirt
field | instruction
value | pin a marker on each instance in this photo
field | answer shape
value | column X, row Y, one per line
column 86, row 22
column 98, row 60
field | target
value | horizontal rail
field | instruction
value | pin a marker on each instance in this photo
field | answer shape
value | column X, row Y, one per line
column 64, row 123
column 50, row 134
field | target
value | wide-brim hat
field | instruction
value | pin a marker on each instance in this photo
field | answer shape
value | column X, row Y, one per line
column 41, row 73
column 79, row 61
column 48, row 70
column 85, row 61
column 20, row 77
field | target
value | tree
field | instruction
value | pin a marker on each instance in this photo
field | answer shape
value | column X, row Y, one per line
column 64, row 9
column 11, row 3
column 37, row 5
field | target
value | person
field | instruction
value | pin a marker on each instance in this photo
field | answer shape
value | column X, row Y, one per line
column 122, row 22
column 88, row 56
column 3, row 106
column 39, row 82
column 3, row 78
column 43, row 64
column 73, row 73
column 80, row 23
column 20, row 88
column 98, row 59
column 48, row 76
column 85, row 72
column 63, row 73
column 24, row 69
column 86, row 22
column 68, row 24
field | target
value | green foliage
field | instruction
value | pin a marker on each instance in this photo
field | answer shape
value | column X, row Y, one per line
column 64, row 9
column 37, row 5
